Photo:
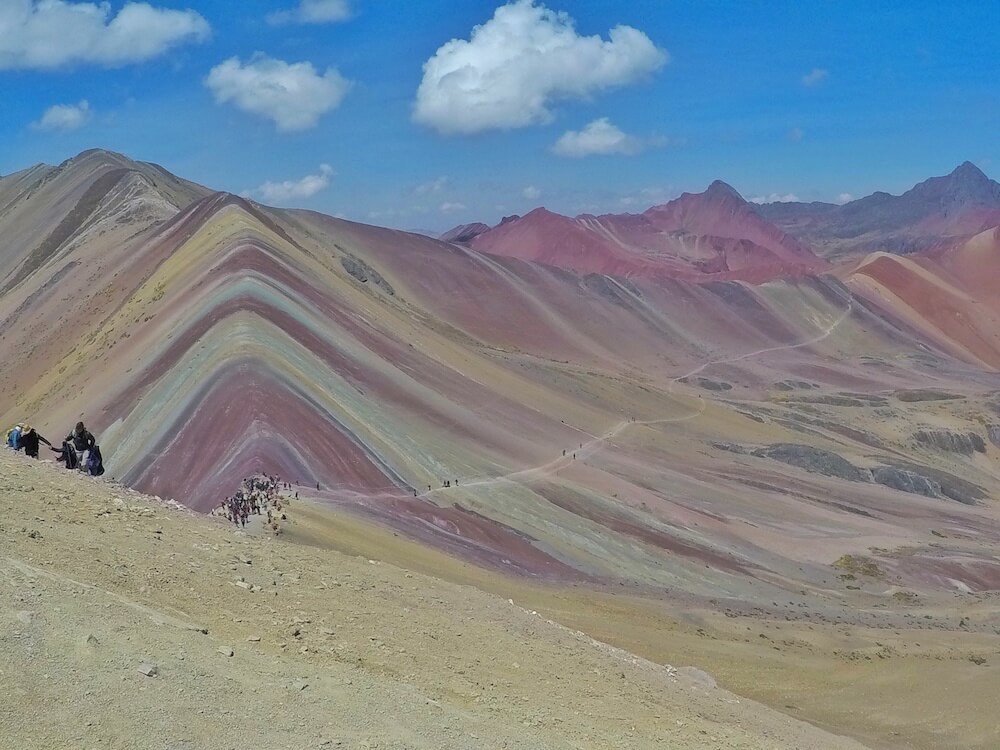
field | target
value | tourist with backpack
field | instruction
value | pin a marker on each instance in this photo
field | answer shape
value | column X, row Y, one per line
column 29, row 441
column 14, row 436
column 82, row 441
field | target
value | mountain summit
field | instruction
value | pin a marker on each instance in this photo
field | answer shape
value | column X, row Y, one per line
column 936, row 213
column 706, row 236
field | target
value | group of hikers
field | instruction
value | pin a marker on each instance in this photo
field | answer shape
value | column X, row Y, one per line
column 259, row 496
column 79, row 451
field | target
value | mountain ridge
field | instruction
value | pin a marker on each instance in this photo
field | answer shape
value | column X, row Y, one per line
column 933, row 214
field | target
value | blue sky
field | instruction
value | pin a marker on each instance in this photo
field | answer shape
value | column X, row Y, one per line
column 817, row 100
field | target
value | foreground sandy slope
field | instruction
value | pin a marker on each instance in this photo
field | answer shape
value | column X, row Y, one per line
column 327, row 650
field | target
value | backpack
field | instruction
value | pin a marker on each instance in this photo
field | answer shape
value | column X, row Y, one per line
column 69, row 455
column 14, row 438
column 95, row 463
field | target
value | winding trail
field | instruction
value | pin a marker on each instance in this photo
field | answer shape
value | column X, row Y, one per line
column 593, row 446
column 599, row 441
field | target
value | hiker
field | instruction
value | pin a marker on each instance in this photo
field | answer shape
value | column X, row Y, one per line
column 14, row 436
column 95, row 462
column 29, row 441
column 82, row 441
column 66, row 455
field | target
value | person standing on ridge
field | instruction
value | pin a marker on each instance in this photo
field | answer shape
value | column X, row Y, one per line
column 83, row 442
column 29, row 441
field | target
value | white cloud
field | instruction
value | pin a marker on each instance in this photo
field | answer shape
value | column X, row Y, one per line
column 47, row 34
column 314, row 11
column 844, row 198
column 776, row 198
column 450, row 208
column 599, row 138
column 815, row 77
column 290, row 190
column 514, row 66
column 293, row 95
column 532, row 193
column 796, row 134
column 64, row 117
column 433, row 187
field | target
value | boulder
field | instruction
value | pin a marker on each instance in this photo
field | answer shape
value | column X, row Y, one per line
column 993, row 432
column 906, row 481
column 365, row 273
column 964, row 443
column 812, row 459
column 955, row 488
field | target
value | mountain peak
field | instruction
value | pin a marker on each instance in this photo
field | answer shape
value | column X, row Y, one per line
column 969, row 172
column 965, row 185
column 722, row 190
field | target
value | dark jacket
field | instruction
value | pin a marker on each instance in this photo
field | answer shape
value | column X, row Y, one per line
column 82, row 442
column 66, row 454
column 29, row 442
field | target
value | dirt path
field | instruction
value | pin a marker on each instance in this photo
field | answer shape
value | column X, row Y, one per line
column 594, row 445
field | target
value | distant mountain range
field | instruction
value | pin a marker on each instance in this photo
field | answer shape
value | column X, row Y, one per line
column 711, row 235
column 718, row 235
column 937, row 213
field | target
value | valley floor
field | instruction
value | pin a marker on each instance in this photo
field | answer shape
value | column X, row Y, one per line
column 129, row 624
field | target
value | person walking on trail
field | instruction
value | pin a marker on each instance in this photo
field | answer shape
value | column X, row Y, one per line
column 29, row 441
column 14, row 436
column 83, row 442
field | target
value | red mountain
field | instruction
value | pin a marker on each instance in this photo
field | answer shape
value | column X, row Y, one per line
column 705, row 236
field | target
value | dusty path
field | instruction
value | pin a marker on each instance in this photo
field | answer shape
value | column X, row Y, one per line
column 594, row 445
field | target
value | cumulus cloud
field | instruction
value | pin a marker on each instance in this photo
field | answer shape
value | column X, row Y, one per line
column 514, row 66
column 815, row 77
column 48, row 34
column 599, row 138
column 313, row 11
column 450, row 208
column 291, row 190
column 64, row 117
column 776, row 198
column 532, row 193
column 844, row 198
column 292, row 95
column 433, row 187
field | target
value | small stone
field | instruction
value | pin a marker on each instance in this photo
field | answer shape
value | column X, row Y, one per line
column 91, row 640
column 243, row 584
column 254, row 639
column 300, row 684
column 148, row 669
column 226, row 651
